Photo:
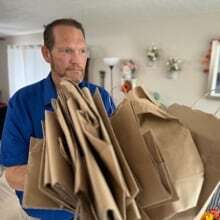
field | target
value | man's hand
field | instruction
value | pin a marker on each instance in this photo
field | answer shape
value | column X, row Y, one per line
column 15, row 176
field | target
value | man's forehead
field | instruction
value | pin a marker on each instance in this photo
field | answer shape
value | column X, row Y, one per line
column 65, row 31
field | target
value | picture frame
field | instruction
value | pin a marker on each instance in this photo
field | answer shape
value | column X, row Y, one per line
column 214, row 71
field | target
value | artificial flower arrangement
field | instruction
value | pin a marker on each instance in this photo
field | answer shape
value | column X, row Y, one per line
column 174, row 65
column 128, row 68
column 153, row 54
column 126, row 86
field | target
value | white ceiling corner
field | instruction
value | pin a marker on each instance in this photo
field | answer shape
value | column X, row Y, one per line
column 29, row 16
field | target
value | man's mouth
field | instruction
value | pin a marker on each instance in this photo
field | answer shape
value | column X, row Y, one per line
column 75, row 69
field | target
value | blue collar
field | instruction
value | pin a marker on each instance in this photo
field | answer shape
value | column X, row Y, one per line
column 49, row 90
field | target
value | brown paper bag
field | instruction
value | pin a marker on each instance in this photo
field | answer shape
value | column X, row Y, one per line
column 66, row 127
column 132, row 211
column 85, row 211
column 97, row 136
column 178, row 150
column 81, row 101
column 33, row 197
column 163, row 174
column 131, row 185
column 102, row 141
column 153, row 191
column 127, row 173
column 64, row 119
column 60, row 167
column 100, row 194
column 205, row 131
column 44, row 184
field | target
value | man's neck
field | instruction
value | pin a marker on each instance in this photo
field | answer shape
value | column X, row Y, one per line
column 56, row 80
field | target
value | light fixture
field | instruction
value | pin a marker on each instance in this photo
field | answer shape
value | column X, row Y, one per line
column 111, row 62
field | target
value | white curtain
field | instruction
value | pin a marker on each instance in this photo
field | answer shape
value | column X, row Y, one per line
column 25, row 66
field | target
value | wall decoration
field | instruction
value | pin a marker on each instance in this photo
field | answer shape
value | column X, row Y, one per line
column 128, row 69
column 153, row 54
column 174, row 66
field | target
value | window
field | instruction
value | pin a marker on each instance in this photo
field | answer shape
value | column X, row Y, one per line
column 25, row 66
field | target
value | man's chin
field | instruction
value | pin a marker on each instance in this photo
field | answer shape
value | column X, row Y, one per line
column 76, row 79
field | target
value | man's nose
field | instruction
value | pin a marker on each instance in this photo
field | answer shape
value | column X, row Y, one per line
column 76, row 57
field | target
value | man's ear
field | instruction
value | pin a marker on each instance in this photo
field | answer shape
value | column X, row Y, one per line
column 46, row 54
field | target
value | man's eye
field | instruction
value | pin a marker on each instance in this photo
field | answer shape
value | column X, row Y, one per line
column 83, row 51
column 68, row 51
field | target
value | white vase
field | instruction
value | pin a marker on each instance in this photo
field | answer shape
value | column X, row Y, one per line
column 127, row 76
column 173, row 75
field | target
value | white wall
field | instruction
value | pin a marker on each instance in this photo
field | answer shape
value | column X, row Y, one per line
column 4, row 87
column 184, row 37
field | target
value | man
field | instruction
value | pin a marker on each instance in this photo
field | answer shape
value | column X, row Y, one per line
column 65, row 49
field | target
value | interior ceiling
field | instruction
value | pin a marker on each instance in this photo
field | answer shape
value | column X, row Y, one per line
column 29, row 16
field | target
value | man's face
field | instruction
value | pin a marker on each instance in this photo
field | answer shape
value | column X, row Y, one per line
column 68, row 55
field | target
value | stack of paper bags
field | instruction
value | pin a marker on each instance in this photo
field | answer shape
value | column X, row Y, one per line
column 79, row 165
column 132, row 167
